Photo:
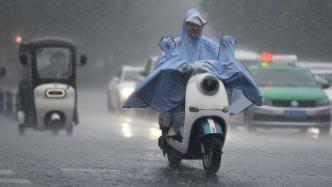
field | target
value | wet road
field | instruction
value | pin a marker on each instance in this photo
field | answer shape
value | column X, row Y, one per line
column 111, row 149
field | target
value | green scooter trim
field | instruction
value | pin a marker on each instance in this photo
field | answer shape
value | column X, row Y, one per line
column 210, row 126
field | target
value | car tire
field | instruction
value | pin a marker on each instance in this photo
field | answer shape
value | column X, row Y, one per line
column 21, row 129
column 303, row 130
column 251, row 128
column 113, row 107
column 109, row 104
column 55, row 131
column 233, row 127
column 70, row 131
column 325, row 130
column 118, row 104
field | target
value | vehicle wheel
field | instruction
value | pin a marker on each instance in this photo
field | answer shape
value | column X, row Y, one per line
column 55, row 131
column 109, row 105
column 211, row 149
column 21, row 129
column 251, row 128
column 118, row 104
column 325, row 130
column 173, row 160
column 70, row 130
column 303, row 130
column 233, row 127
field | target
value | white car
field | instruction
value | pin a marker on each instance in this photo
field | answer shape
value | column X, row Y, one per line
column 149, row 65
column 122, row 85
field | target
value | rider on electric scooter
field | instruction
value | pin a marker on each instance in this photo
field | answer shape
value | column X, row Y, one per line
column 190, row 48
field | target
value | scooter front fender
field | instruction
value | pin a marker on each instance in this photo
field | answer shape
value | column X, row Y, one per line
column 208, row 127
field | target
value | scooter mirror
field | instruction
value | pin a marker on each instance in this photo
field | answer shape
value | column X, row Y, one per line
column 2, row 72
column 143, row 73
column 83, row 59
column 116, row 80
column 324, row 84
column 226, row 47
column 23, row 59
column 167, row 44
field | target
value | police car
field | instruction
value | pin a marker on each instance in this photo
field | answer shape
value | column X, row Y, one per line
column 292, row 98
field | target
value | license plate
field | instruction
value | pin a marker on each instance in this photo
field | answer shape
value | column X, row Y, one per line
column 295, row 113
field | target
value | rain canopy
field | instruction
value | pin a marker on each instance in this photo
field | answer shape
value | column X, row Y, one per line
column 164, row 89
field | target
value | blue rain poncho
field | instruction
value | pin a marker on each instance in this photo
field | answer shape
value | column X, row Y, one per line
column 165, row 88
column 193, row 49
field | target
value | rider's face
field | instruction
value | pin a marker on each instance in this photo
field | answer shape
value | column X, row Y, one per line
column 193, row 30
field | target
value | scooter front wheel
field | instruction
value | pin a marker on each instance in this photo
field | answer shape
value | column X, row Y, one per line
column 211, row 149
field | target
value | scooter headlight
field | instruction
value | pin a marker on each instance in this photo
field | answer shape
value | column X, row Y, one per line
column 209, row 85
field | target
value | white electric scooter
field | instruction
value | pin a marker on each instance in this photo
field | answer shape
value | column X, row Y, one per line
column 205, row 124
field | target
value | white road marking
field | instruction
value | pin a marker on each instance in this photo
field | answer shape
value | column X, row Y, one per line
column 310, row 177
column 88, row 170
column 14, row 180
column 6, row 172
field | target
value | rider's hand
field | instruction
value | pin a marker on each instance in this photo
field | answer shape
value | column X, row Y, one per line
column 186, row 68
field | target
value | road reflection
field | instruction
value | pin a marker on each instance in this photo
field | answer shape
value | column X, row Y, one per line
column 126, row 130
column 154, row 133
column 187, row 175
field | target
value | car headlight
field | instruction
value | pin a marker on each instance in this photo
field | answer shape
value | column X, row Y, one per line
column 323, row 102
column 209, row 85
column 125, row 93
column 55, row 93
column 267, row 102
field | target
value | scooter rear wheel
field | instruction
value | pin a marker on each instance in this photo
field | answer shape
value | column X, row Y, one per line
column 211, row 148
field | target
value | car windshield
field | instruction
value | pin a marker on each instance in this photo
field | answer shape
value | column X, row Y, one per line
column 130, row 75
column 53, row 62
column 283, row 77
